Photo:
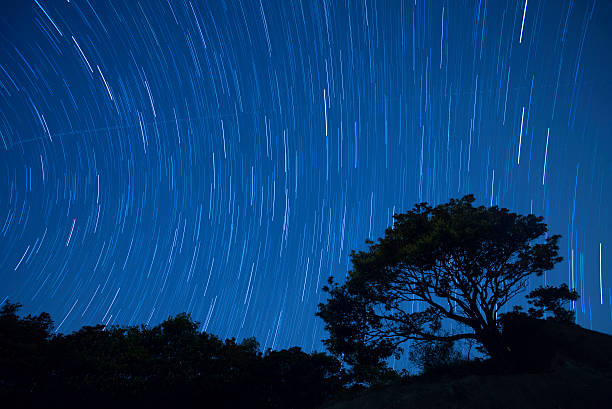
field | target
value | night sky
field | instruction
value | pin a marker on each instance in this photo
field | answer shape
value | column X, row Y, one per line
column 224, row 157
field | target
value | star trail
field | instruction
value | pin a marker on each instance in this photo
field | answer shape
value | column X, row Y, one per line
column 224, row 157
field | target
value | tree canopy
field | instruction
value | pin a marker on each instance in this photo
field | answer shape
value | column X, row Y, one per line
column 453, row 262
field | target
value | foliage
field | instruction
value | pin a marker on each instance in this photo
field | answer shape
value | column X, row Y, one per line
column 552, row 300
column 23, row 347
column 433, row 355
column 172, row 364
column 296, row 379
column 462, row 263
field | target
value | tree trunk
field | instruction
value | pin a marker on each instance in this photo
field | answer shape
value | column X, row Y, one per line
column 492, row 340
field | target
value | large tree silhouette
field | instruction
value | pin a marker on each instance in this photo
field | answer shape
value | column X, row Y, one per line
column 453, row 262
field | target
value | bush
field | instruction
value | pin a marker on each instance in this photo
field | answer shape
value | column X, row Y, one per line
column 433, row 355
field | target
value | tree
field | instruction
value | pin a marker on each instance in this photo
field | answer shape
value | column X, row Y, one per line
column 459, row 262
column 292, row 378
column 552, row 300
column 23, row 349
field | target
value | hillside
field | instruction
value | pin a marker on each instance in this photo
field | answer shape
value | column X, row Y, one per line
column 562, row 367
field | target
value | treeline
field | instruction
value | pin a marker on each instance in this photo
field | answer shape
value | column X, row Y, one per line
column 172, row 364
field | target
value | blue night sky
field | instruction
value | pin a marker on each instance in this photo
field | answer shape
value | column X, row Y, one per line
column 224, row 157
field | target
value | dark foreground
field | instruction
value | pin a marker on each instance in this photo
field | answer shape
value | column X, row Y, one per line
column 174, row 365
column 561, row 367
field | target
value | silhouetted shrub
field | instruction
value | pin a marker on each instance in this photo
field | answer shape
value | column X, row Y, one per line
column 432, row 355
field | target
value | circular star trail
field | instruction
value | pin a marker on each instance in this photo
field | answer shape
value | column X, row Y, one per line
column 224, row 157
